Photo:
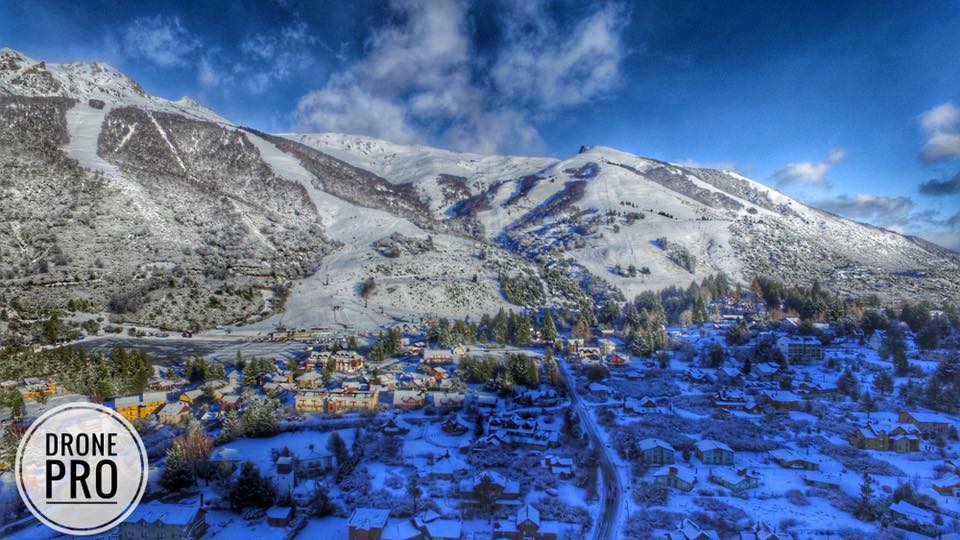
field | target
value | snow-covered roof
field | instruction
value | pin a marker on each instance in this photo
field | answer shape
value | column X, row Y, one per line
column 647, row 444
column 707, row 445
column 528, row 513
column 368, row 518
column 169, row 514
column 683, row 473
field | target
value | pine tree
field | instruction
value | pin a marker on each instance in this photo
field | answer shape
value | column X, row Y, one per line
column 339, row 448
column 177, row 473
column 521, row 332
column 549, row 330
column 260, row 418
column 251, row 489
column 500, row 330
column 414, row 491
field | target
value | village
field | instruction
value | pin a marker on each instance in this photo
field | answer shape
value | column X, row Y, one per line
column 743, row 422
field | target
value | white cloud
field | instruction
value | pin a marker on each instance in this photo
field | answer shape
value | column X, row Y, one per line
column 941, row 126
column 811, row 173
column 160, row 40
column 427, row 82
column 890, row 212
column 542, row 64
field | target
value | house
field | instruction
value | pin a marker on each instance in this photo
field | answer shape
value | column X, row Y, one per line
column 441, row 356
column 800, row 348
column 677, row 477
column 930, row 423
column 948, row 485
column 644, row 405
column 453, row 426
column 526, row 525
column 697, row 376
column 151, row 402
column 486, row 399
column 560, row 466
column 279, row 516
column 172, row 413
column 896, row 437
column 606, row 346
column 447, row 466
column 128, row 407
column 822, row 480
column 309, row 379
column 600, row 390
column 367, row 523
column 572, row 345
column 782, row 399
column 506, row 492
column 731, row 399
column 336, row 401
column 395, row 426
column 735, row 480
column 617, row 361
column 588, row 353
column 447, row 400
column 231, row 403
column 765, row 371
column 162, row 521
column 712, row 452
column 346, row 361
column 908, row 515
column 36, row 388
column 430, row 525
column 656, row 452
column 408, row 400
column 191, row 396
column 688, row 530
column 788, row 459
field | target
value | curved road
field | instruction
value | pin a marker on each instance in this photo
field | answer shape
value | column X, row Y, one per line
column 611, row 494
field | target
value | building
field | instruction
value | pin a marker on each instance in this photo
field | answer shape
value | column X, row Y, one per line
column 526, row 525
column 895, row 437
column 279, row 516
column 712, row 452
column 677, row 477
column 735, row 480
column 446, row 401
column 151, row 402
column 408, row 400
column 800, row 348
column 506, row 492
column 782, row 399
column 395, row 426
column 948, row 485
column 172, row 413
column 442, row 356
column 932, row 423
column 367, row 524
column 562, row 467
column 644, row 405
column 346, row 361
column 36, row 388
column 156, row 521
column 656, row 452
column 336, row 401
column 788, row 459
column 128, row 407
column 191, row 396
column 310, row 379
column 688, row 530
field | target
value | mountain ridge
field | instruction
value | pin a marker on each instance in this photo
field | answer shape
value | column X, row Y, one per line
column 266, row 229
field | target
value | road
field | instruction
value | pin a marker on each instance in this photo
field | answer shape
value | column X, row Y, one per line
column 612, row 494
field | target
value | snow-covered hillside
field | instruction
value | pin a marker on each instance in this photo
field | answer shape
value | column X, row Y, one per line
column 165, row 213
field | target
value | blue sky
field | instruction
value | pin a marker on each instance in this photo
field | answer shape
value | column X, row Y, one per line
column 852, row 106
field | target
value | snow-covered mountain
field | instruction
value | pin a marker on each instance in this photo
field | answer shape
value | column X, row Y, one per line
column 165, row 213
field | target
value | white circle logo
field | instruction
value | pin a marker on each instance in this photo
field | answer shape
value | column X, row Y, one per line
column 81, row 468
